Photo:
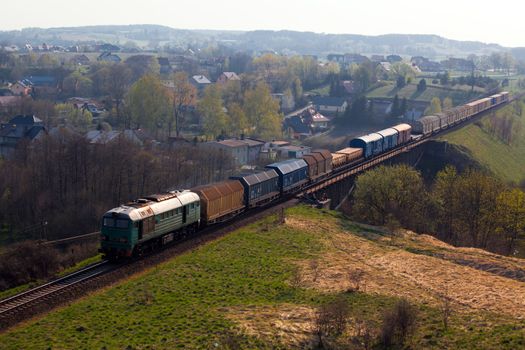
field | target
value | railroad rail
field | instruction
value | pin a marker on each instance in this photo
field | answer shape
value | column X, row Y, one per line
column 51, row 289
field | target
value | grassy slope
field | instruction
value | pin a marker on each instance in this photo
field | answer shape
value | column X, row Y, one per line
column 188, row 302
column 505, row 161
column 458, row 94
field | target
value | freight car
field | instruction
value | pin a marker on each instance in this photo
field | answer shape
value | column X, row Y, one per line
column 440, row 121
column 383, row 140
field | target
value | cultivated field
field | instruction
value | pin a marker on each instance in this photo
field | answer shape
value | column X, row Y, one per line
column 259, row 286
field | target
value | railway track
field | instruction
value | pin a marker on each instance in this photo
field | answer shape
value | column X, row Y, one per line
column 52, row 289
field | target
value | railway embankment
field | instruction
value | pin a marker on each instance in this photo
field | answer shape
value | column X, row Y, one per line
column 261, row 286
column 496, row 143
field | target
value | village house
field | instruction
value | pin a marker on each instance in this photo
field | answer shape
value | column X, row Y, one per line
column 227, row 76
column 19, row 128
column 101, row 137
column 80, row 60
column 293, row 151
column 330, row 105
column 200, row 82
column 243, row 151
column 108, row 57
column 20, row 89
column 10, row 104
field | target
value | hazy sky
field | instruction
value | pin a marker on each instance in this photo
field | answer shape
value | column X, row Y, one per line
column 500, row 22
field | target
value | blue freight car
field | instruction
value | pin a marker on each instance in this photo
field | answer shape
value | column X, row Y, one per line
column 259, row 188
column 371, row 144
column 293, row 173
column 390, row 137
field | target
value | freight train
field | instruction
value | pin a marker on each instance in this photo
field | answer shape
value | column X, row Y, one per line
column 159, row 219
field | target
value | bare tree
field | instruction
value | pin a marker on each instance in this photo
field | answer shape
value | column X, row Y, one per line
column 355, row 278
column 446, row 307
column 314, row 266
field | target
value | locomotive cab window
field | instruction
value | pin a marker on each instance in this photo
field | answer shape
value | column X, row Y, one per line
column 122, row 223
column 109, row 222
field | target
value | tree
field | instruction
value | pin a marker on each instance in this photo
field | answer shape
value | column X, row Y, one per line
column 239, row 121
column 383, row 192
column 398, row 323
column 400, row 82
column 149, row 103
column 435, row 106
column 262, row 111
column 141, row 65
column 404, row 106
column 211, row 109
column 444, row 78
column 78, row 117
column 510, row 208
column 422, row 85
column 395, row 112
column 77, row 84
column 117, row 80
column 184, row 95
column 358, row 111
column 447, row 103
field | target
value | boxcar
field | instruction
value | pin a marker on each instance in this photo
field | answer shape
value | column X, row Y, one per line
column 390, row 137
column 371, row 144
column 443, row 120
column 220, row 201
column 315, row 164
column 404, row 133
column 153, row 219
column 427, row 125
column 326, row 164
column 259, row 188
column 504, row 96
column 293, row 173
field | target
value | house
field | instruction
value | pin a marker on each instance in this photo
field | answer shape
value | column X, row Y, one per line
column 293, row 151
column 108, row 57
column 165, row 66
column 200, row 82
column 377, row 58
column 315, row 120
column 394, row 58
column 10, row 104
column 227, row 76
column 101, row 137
column 349, row 87
column 107, row 48
column 20, row 127
column 80, row 60
column 40, row 81
column 20, row 89
column 237, row 149
column 330, row 105
column 351, row 58
column 296, row 128
column 254, row 149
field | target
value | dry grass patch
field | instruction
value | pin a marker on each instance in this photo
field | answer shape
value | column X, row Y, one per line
column 287, row 325
column 393, row 271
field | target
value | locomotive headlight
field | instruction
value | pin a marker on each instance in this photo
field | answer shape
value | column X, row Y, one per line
column 123, row 240
column 103, row 238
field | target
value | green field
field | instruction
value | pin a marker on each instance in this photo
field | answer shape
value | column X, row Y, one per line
column 238, row 290
column 459, row 94
column 505, row 161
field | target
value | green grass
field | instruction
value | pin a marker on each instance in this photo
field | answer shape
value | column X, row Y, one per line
column 458, row 94
column 505, row 161
column 80, row 265
column 183, row 303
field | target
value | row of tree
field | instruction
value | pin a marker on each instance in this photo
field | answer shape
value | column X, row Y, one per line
column 471, row 208
column 69, row 183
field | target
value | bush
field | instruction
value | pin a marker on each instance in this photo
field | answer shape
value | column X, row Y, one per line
column 25, row 262
column 398, row 323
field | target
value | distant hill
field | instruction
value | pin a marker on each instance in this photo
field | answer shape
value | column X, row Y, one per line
column 291, row 42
